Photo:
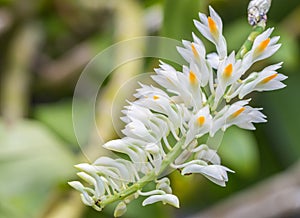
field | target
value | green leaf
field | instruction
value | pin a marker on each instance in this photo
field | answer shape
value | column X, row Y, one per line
column 282, row 133
column 236, row 33
column 239, row 151
column 58, row 117
column 178, row 18
column 32, row 162
column 289, row 50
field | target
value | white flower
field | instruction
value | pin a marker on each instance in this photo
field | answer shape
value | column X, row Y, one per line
column 266, row 80
column 167, row 77
column 98, row 184
column 215, row 173
column 199, row 124
column 134, row 149
column 121, row 166
column 193, row 51
column 164, row 185
column 157, row 100
column 211, row 28
column 238, row 114
column 165, row 198
column 229, row 71
column 85, row 197
column 186, row 85
column 203, row 152
column 263, row 47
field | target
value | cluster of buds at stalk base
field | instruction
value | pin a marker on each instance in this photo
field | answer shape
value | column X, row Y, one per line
column 163, row 125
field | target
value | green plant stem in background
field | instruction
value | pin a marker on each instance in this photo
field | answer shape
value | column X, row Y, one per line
column 17, row 76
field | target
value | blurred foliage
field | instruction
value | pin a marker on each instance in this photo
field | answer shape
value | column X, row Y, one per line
column 62, row 124
column 38, row 149
column 33, row 160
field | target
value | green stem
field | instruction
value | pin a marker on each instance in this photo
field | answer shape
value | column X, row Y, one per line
column 249, row 42
column 16, row 78
column 152, row 176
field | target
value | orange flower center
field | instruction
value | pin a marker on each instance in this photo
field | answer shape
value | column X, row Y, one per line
column 228, row 71
column 201, row 120
column 212, row 26
column 155, row 97
column 238, row 112
column 194, row 50
column 269, row 78
column 192, row 77
column 263, row 45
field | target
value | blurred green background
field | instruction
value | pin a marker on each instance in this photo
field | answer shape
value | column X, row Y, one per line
column 46, row 44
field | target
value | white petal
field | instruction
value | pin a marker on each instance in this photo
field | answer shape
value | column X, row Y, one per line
column 152, row 148
column 87, row 178
column 76, row 185
column 86, row 167
column 185, row 54
column 215, row 173
column 270, row 50
column 120, row 164
column 266, row 34
column 97, row 183
column 203, row 29
column 166, row 199
column 209, row 155
column 248, row 126
column 216, row 18
column 86, row 199
column 213, row 60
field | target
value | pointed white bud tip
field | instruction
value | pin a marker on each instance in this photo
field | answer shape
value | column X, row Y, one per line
column 120, row 209
column 215, row 173
column 76, row 185
column 152, row 148
column 86, row 167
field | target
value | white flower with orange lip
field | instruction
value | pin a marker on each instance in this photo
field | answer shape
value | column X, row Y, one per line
column 211, row 27
column 228, row 72
column 266, row 80
column 199, row 124
column 263, row 47
column 238, row 114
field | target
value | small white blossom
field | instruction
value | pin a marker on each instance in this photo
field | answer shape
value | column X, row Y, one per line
column 203, row 152
column 263, row 47
column 120, row 209
column 215, row 173
column 238, row 114
column 266, row 80
column 199, row 124
column 211, row 28
column 165, row 198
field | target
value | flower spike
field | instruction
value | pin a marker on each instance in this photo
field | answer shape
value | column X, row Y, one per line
column 198, row 101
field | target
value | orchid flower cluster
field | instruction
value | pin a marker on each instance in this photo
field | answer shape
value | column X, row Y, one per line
column 205, row 98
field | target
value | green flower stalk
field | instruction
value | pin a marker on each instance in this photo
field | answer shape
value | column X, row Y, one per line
column 205, row 98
